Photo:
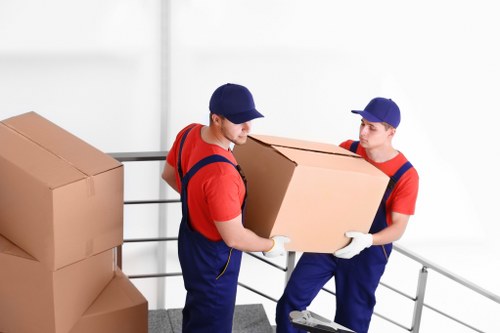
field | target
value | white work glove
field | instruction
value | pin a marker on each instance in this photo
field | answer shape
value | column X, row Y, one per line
column 359, row 242
column 278, row 248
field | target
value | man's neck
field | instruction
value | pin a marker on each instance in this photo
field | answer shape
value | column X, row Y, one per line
column 382, row 154
column 211, row 136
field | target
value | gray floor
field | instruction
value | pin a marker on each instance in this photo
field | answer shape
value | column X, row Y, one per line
column 249, row 318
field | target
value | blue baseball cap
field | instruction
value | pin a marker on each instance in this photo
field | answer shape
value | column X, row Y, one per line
column 234, row 102
column 381, row 110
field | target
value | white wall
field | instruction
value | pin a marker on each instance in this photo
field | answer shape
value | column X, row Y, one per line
column 90, row 66
column 95, row 67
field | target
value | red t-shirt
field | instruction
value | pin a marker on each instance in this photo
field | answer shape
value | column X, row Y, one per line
column 404, row 195
column 216, row 192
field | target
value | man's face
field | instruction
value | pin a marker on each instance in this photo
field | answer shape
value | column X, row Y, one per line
column 236, row 133
column 372, row 135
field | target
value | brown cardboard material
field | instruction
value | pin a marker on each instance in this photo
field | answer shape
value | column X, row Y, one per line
column 35, row 299
column 119, row 308
column 309, row 191
column 61, row 200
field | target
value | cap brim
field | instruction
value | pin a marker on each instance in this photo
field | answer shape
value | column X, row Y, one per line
column 243, row 117
column 367, row 116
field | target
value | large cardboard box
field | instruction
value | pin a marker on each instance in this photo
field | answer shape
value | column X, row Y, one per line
column 309, row 191
column 119, row 308
column 35, row 299
column 61, row 200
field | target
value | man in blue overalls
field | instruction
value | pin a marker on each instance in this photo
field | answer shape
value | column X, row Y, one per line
column 201, row 167
column 359, row 266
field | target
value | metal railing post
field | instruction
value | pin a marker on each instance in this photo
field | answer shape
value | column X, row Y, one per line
column 419, row 301
column 290, row 265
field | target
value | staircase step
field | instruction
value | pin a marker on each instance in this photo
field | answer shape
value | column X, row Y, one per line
column 248, row 318
column 158, row 321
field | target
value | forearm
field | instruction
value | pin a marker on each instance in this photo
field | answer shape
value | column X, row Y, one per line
column 235, row 235
column 393, row 232
column 386, row 236
column 251, row 242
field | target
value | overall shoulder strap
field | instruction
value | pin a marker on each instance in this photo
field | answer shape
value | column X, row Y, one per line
column 201, row 163
column 187, row 177
column 394, row 179
column 354, row 146
column 380, row 221
column 181, row 145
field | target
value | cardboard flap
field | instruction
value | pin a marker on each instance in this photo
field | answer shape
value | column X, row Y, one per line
column 337, row 163
column 69, row 148
column 7, row 247
column 119, row 293
column 313, row 158
column 298, row 145
column 48, row 169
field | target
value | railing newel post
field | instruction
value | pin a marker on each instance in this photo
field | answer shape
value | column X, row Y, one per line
column 419, row 301
column 290, row 265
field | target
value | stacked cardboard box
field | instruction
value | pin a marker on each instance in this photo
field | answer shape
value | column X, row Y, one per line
column 61, row 216
column 312, row 192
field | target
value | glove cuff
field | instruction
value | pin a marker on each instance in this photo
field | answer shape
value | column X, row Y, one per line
column 371, row 240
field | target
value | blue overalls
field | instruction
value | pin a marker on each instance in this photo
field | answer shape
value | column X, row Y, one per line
column 210, row 269
column 356, row 279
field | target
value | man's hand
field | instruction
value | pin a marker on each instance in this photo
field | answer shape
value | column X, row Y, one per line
column 278, row 248
column 359, row 242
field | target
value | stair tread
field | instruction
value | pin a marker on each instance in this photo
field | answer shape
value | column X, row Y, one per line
column 248, row 318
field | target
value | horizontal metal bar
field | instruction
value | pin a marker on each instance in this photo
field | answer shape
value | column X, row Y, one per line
column 452, row 318
column 140, row 156
column 328, row 291
column 447, row 273
column 157, row 275
column 391, row 321
column 157, row 239
column 140, row 202
column 375, row 313
column 257, row 292
column 284, row 269
column 397, row 291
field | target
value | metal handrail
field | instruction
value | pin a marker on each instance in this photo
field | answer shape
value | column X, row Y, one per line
column 464, row 282
column 421, row 287
column 140, row 156
column 422, row 281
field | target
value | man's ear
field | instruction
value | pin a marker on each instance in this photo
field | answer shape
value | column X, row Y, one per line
column 216, row 119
